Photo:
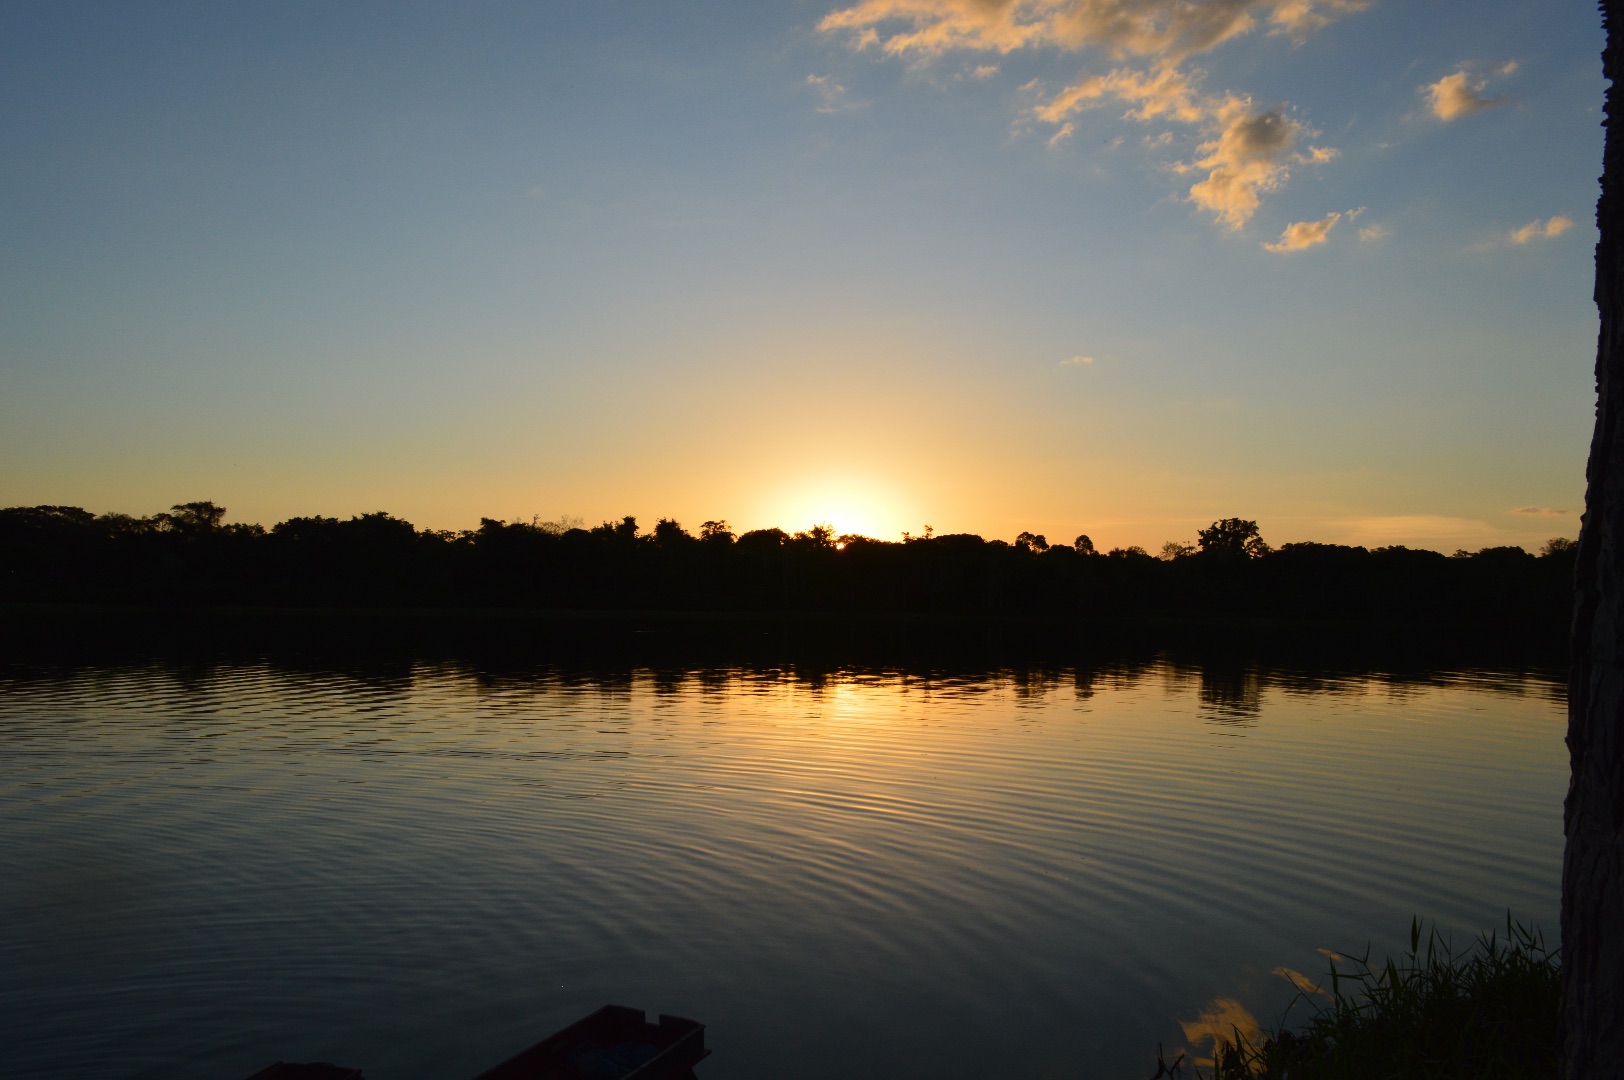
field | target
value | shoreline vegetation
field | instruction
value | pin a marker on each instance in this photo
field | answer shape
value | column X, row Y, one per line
column 1431, row 1014
column 189, row 558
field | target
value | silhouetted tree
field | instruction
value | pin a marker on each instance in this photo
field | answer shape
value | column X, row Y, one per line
column 1232, row 538
column 821, row 536
column 192, row 517
column 763, row 539
column 667, row 533
column 65, row 553
column 716, row 532
column 1593, row 863
column 1083, row 545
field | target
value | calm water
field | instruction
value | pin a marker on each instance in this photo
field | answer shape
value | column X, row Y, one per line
column 859, row 874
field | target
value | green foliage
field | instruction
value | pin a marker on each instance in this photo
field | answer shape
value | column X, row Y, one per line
column 1489, row 1013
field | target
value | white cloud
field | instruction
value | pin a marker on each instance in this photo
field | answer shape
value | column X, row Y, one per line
column 1302, row 235
column 1461, row 94
column 1063, row 134
column 1076, row 361
column 1541, row 230
column 1372, row 233
column 984, row 71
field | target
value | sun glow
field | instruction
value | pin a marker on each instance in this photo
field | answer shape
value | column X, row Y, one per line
column 849, row 505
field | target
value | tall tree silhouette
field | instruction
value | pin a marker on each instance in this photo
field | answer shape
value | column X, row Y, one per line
column 1593, row 866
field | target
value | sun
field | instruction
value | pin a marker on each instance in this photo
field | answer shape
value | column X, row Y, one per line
column 855, row 506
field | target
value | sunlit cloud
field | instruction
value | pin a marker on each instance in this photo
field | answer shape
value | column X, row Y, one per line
column 1169, row 30
column 1542, row 511
column 1076, row 361
column 1166, row 93
column 1246, row 151
column 1370, row 234
column 1302, row 235
column 1541, row 230
column 1252, row 154
column 1462, row 93
column 984, row 71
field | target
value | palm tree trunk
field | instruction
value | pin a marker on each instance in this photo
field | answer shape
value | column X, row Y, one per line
column 1593, row 868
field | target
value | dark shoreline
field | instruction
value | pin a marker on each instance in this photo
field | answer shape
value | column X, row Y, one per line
column 112, row 633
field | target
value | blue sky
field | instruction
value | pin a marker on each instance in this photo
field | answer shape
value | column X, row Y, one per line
column 1062, row 265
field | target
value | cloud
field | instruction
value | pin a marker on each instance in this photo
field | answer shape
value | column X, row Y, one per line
column 1063, row 134
column 1168, row 30
column 1251, row 154
column 831, row 95
column 1302, row 235
column 984, row 71
column 1166, row 93
column 1246, row 151
column 1461, row 94
column 1541, row 230
column 1542, row 511
column 1372, row 233
column 1076, row 361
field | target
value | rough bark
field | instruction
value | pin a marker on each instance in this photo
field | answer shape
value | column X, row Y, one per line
column 1593, row 867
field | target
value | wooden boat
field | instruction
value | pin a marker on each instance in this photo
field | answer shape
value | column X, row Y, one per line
column 614, row 1043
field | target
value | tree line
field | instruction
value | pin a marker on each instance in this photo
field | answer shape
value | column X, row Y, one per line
column 190, row 556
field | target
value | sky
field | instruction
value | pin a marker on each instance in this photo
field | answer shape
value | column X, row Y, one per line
column 1111, row 267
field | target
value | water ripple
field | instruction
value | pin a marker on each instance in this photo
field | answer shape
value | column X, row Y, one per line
column 866, row 872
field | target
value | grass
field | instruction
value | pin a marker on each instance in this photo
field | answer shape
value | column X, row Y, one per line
column 1489, row 1013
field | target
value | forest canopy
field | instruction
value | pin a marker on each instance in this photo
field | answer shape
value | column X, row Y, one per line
column 189, row 555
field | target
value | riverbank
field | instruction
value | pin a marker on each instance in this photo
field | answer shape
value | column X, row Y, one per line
column 110, row 631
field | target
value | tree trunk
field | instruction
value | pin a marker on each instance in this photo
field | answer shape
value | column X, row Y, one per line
column 1593, row 868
